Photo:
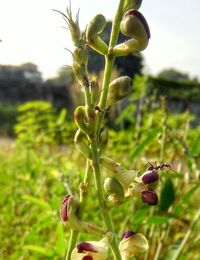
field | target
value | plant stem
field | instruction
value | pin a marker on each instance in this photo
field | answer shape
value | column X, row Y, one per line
column 102, row 203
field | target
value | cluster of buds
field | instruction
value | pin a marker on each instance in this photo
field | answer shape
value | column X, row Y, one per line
column 121, row 184
column 92, row 250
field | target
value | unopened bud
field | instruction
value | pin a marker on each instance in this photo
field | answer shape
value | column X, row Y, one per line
column 79, row 118
column 132, row 243
column 150, row 197
column 82, row 144
column 92, row 250
column 134, row 26
column 95, row 90
column 132, row 4
column 80, row 74
column 80, row 56
column 150, row 177
column 114, row 188
column 68, row 208
column 103, row 140
column 119, row 89
column 94, row 28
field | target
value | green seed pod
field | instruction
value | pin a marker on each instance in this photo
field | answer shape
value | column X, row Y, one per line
column 79, row 118
column 94, row 28
column 80, row 57
column 132, row 4
column 135, row 26
column 113, row 187
column 119, row 89
column 95, row 90
column 82, row 144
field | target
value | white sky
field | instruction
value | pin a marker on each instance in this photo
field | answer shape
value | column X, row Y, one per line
column 31, row 32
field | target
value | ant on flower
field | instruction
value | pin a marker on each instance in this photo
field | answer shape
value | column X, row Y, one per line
column 157, row 167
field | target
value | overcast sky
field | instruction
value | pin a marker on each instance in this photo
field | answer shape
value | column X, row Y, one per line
column 31, row 32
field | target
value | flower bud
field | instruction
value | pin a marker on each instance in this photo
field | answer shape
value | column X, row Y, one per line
column 132, row 4
column 80, row 56
column 69, row 216
column 114, row 188
column 92, row 250
column 80, row 74
column 150, row 197
column 79, row 118
column 95, row 90
column 68, row 208
column 150, row 177
column 134, row 26
column 94, row 28
column 82, row 144
column 132, row 243
column 103, row 140
column 119, row 89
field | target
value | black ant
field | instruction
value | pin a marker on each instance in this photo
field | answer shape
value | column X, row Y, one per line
column 98, row 109
column 157, row 167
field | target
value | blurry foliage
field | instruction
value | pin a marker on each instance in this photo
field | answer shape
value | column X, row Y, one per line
column 39, row 124
column 8, row 114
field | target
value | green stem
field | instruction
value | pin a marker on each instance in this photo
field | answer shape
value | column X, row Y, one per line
column 102, row 203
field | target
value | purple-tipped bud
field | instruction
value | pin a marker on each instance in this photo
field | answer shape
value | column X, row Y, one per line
column 141, row 18
column 128, row 234
column 85, row 246
column 87, row 257
column 64, row 206
column 150, row 197
column 150, row 177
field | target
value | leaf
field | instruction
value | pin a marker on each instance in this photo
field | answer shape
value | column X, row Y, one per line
column 60, row 240
column 39, row 202
column 167, row 196
column 195, row 151
column 179, row 207
column 140, row 215
column 157, row 220
column 38, row 249
column 147, row 141
column 172, row 252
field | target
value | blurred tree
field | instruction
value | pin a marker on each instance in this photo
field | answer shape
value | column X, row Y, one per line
column 65, row 77
column 173, row 74
column 129, row 66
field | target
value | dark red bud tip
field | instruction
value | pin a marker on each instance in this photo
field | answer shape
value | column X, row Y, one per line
column 63, row 210
column 142, row 20
column 87, row 257
column 84, row 246
column 150, row 197
column 128, row 234
column 150, row 177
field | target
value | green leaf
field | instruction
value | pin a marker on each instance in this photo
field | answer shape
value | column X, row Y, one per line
column 38, row 249
column 140, row 215
column 60, row 240
column 151, row 135
column 167, row 196
column 173, row 251
column 159, row 220
column 39, row 202
column 195, row 151
column 180, row 206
